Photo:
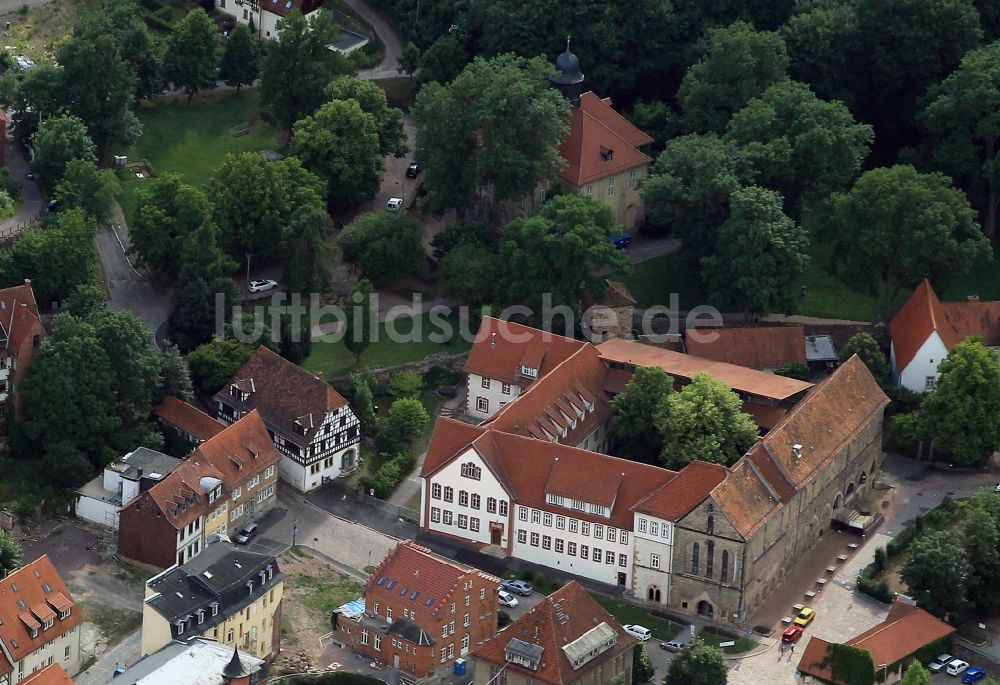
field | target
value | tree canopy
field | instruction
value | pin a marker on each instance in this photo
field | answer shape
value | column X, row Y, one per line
column 697, row 664
column 559, row 252
column 867, row 348
column 633, row 427
column 936, row 572
column 371, row 98
column 704, row 421
column 385, row 246
column 59, row 141
column 739, row 64
column 760, row 257
column 192, row 58
column 240, row 65
column 898, row 226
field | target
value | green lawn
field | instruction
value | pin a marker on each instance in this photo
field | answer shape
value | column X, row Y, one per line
column 661, row 628
column 825, row 295
column 332, row 359
column 192, row 139
column 743, row 644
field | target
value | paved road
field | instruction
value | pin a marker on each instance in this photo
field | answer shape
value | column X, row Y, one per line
column 389, row 66
column 130, row 289
column 31, row 195
column 125, row 653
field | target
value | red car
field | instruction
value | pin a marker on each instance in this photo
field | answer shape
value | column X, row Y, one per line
column 791, row 634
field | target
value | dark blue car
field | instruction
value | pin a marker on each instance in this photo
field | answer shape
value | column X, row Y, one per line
column 973, row 675
column 621, row 241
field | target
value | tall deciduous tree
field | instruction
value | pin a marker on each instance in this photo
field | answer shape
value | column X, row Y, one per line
column 867, row 348
column 697, row 664
column 704, row 421
column 801, row 146
column 740, row 63
column 214, row 363
column 59, row 141
column 10, row 553
column 137, row 45
column 443, row 60
column 306, row 251
column 761, row 255
column 982, row 548
column 388, row 120
column 559, row 252
column 465, row 129
column 93, row 191
column 340, row 144
column 192, row 57
column 240, row 65
column 960, row 414
column 963, row 118
column 916, row 674
column 897, row 226
column 385, row 246
column 99, row 83
column 255, row 199
column 634, row 426
column 471, row 274
column 688, row 188
column 936, row 572
column 824, row 46
column 298, row 66
column 58, row 258
column 32, row 97
column 168, row 213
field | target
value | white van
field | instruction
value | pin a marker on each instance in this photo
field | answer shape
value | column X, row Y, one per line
column 394, row 204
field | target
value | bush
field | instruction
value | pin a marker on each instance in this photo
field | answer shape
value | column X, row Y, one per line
column 503, row 619
column 794, row 370
column 905, row 431
column 438, row 376
column 406, row 384
column 880, row 561
column 384, row 480
column 9, row 184
column 876, row 589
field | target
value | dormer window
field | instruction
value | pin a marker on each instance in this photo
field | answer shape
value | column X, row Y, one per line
column 179, row 626
column 215, row 608
column 34, row 633
column 201, row 616
column 529, row 372
column 65, row 614
column 250, row 586
column 607, row 153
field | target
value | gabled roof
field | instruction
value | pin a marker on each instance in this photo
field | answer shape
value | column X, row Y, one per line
column 906, row 630
column 448, row 438
column 419, row 576
column 19, row 318
column 560, row 619
column 756, row 348
column 685, row 366
column 924, row 314
column 234, row 455
column 595, row 129
column 220, row 574
column 825, row 421
column 745, row 498
column 292, row 401
column 53, row 674
column 678, row 496
column 28, row 597
column 502, row 347
column 616, row 294
column 188, row 418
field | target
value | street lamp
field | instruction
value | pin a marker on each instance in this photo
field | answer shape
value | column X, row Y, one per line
column 295, row 531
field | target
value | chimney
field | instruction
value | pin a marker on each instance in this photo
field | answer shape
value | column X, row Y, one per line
column 972, row 298
column 138, row 472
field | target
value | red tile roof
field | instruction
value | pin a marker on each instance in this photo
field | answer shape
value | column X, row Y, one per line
column 448, row 438
column 906, row 629
column 502, row 347
column 561, row 618
column 417, row 569
column 53, row 674
column 595, row 129
column 825, row 421
column 572, row 393
column 924, row 313
column 755, row 348
column 286, row 395
column 685, row 366
column 678, row 496
column 19, row 315
column 24, row 592
column 188, row 418
column 745, row 498
column 232, row 456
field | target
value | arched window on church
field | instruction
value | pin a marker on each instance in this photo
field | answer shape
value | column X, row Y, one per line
column 694, row 558
column 709, row 558
column 724, row 573
column 710, row 526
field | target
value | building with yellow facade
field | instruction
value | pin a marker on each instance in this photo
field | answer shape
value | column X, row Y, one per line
column 226, row 594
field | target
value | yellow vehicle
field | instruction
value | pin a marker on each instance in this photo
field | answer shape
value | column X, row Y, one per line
column 805, row 617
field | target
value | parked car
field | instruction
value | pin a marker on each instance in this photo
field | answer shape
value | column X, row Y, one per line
column 939, row 663
column 805, row 617
column 413, row 170
column 956, row 667
column 22, row 63
column 621, row 241
column 973, row 675
column 791, row 634
column 518, row 587
column 262, row 285
column 394, row 204
column 671, row 646
column 247, row 533
column 507, row 599
column 637, row 631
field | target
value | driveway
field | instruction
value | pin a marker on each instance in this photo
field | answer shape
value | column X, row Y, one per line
column 31, row 196
column 129, row 289
column 389, row 67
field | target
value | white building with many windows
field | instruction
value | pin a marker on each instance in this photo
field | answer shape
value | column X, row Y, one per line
column 310, row 423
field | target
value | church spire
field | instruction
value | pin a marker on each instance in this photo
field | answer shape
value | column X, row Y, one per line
column 569, row 78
